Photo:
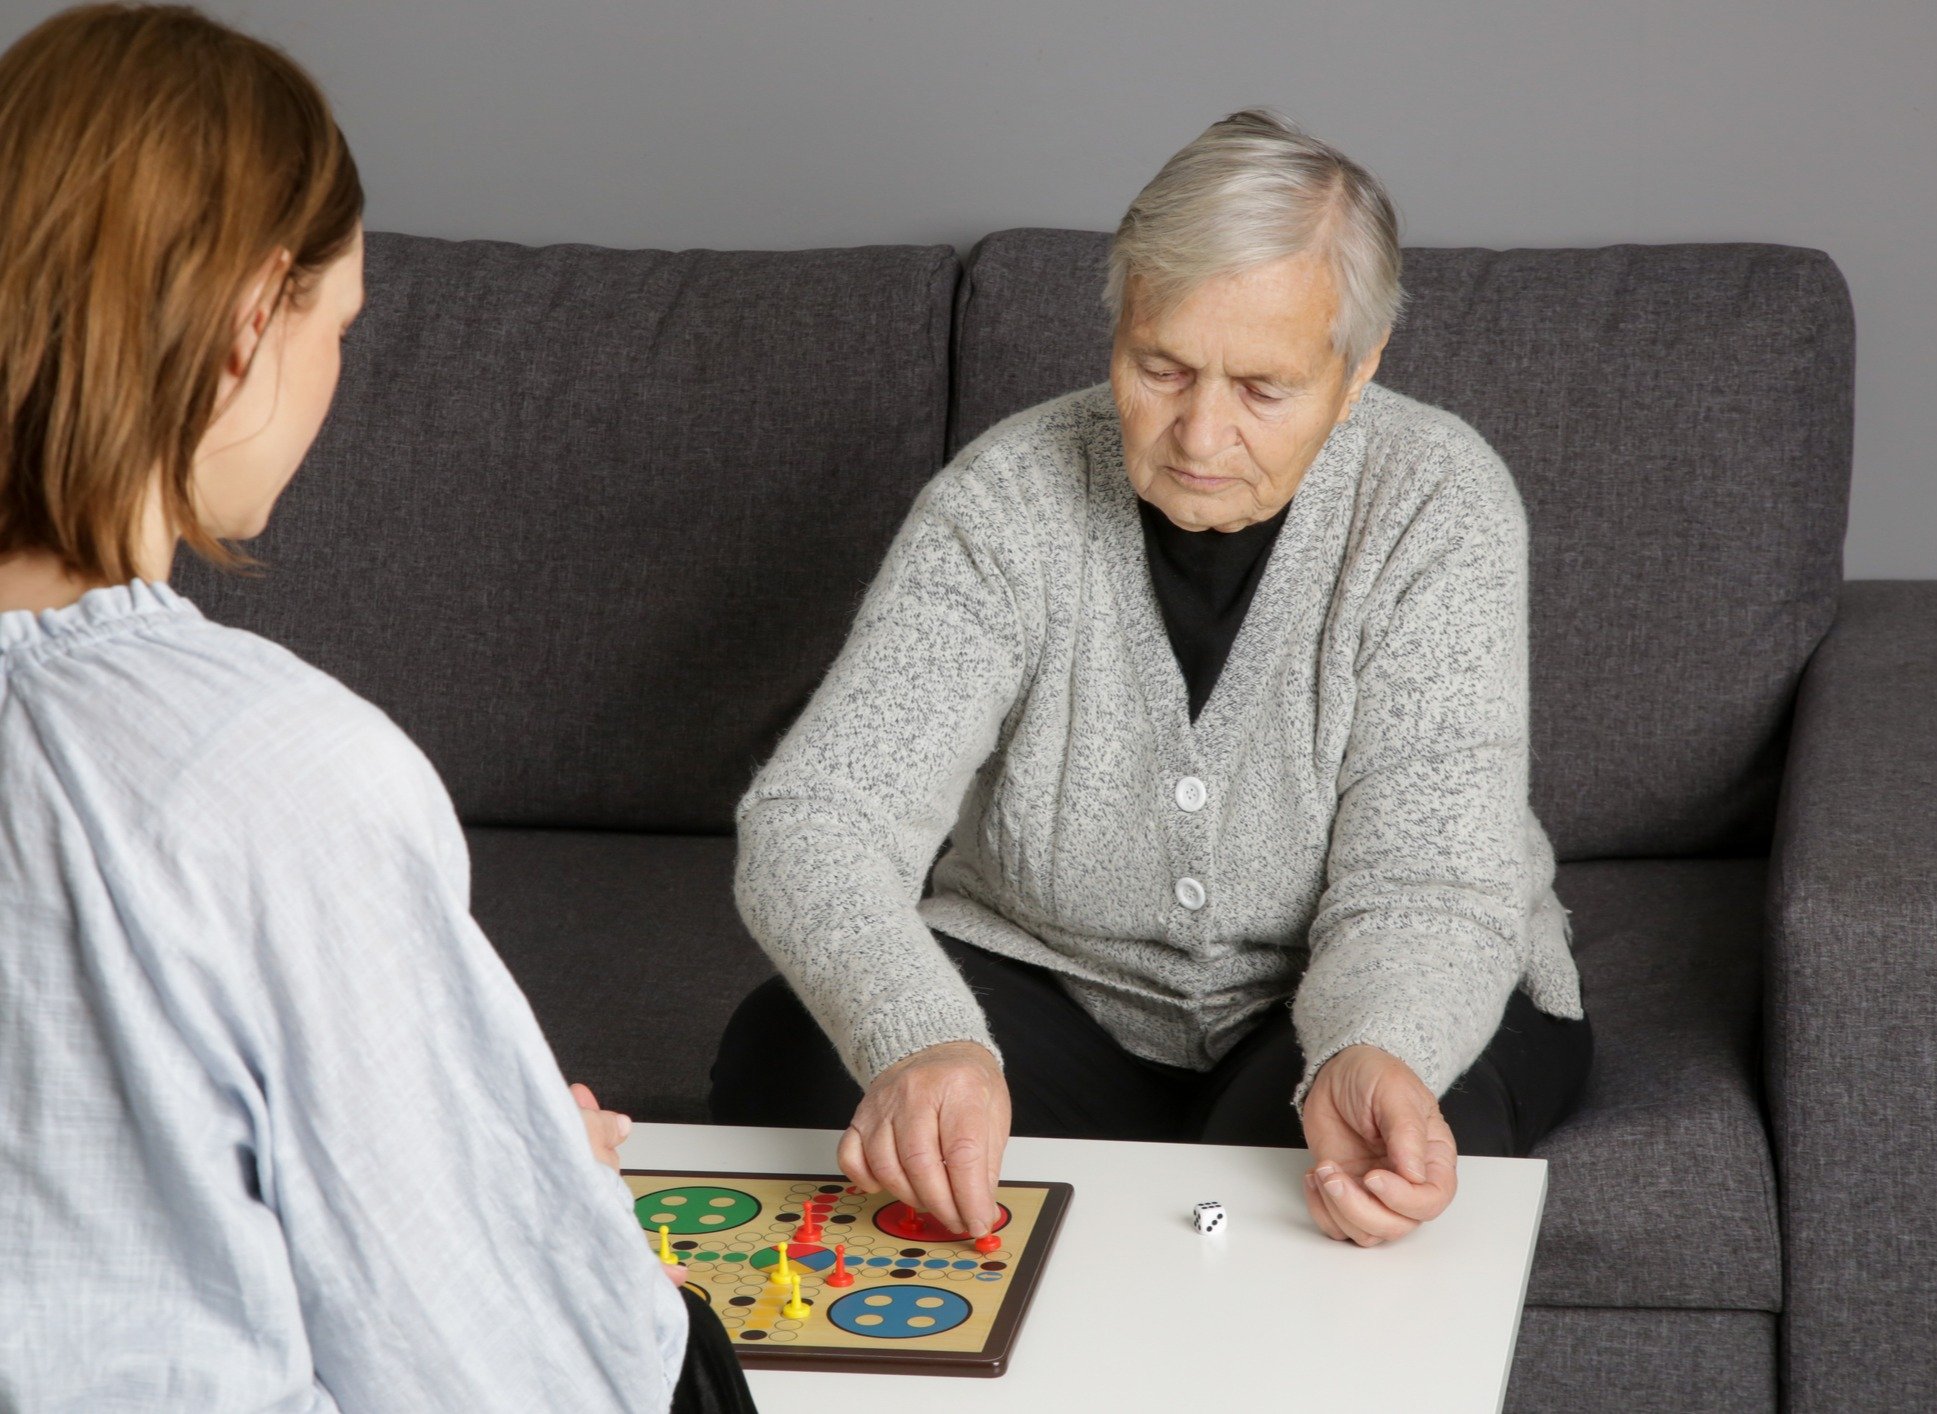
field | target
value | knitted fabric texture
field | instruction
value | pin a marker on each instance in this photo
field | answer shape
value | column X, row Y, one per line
column 1364, row 845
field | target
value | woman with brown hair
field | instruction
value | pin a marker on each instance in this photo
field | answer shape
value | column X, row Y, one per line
column 277, row 1129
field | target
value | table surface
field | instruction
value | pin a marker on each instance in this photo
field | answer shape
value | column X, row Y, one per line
column 1136, row 1311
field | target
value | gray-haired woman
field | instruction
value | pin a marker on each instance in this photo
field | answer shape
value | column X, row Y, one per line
column 1216, row 678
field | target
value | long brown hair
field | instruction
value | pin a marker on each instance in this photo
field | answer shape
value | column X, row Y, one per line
column 152, row 161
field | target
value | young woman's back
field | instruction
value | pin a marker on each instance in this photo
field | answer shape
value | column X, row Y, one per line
column 279, row 1128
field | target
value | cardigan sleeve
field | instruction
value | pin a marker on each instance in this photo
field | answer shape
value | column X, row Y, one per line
column 839, row 829
column 1420, row 934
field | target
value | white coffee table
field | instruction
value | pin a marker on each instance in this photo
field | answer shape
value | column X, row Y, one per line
column 1137, row 1312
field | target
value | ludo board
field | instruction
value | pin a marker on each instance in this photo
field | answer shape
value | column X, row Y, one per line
column 923, row 1301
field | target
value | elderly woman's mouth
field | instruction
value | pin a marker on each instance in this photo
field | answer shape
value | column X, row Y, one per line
column 1197, row 481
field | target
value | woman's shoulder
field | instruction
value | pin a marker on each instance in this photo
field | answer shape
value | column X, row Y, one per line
column 1418, row 456
column 1032, row 464
column 192, row 719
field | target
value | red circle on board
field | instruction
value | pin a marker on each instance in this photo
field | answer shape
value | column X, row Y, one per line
column 897, row 1219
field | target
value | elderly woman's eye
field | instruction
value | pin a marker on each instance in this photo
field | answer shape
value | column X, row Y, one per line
column 1260, row 396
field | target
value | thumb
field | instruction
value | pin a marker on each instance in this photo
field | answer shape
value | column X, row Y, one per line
column 1403, row 1127
column 584, row 1096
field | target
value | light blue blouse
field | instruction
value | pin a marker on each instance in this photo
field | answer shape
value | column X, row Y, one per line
column 277, row 1129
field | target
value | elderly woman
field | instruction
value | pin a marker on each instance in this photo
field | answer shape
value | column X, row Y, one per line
column 1215, row 677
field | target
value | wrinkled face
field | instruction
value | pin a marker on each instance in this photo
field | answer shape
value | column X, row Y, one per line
column 282, row 375
column 1227, row 398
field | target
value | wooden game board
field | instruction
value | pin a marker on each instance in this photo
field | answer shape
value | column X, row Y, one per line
column 923, row 1301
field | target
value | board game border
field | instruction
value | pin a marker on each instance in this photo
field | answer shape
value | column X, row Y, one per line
column 991, row 1362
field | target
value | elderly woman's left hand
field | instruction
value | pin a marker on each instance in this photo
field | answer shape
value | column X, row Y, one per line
column 1383, row 1160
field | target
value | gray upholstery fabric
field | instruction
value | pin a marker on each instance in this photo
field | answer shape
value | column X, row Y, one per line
column 591, row 523
column 1662, row 1190
column 1678, row 421
column 629, row 949
column 1852, row 1009
column 1645, row 1362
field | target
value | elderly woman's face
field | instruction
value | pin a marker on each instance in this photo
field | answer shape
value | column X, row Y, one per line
column 1227, row 398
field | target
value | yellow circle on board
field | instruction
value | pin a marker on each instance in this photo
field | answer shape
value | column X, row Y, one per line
column 921, row 1321
column 673, row 1200
column 930, row 1301
column 718, row 1202
column 881, row 1300
column 867, row 1319
column 663, row 1217
column 711, row 1219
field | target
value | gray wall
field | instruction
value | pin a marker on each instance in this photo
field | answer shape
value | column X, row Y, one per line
column 728, row 123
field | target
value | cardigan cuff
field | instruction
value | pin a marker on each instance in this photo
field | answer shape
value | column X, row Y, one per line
column 893, row 1034
column 1394, row 1036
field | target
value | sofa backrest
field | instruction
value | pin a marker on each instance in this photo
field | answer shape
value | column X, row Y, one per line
column 589, row 523
column 1678, row 421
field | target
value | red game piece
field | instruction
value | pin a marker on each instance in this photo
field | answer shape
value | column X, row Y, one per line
column 840, row 1276
column 988, row 1243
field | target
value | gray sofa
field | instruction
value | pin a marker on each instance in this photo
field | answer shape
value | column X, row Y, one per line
column 589, row 524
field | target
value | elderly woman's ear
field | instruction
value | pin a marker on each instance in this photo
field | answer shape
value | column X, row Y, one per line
column 1359, row 379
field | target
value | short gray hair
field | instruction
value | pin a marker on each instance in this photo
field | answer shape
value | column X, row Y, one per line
column 1252, row 189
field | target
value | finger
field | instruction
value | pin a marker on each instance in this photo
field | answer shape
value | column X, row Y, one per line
column 1350, row 1230
column 1321, row 1214
column 885, row 1160
column 586, row 1099
column 918, row 1146
column 1358, row 1208
column 675, row 1273
column 854, row 1162
column 964, row 1138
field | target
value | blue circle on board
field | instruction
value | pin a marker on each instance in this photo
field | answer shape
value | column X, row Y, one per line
column 892, row 1312
column 966, row 1266
column 879, row 1261
column 906, row 1262
column 936, row 1264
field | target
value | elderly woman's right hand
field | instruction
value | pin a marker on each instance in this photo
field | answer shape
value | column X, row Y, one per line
column 931, row 1130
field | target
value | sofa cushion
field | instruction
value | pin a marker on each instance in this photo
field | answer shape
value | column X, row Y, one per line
column 591, row 523
column 1661, row 1190
column 630, row 951
column 1678, row 421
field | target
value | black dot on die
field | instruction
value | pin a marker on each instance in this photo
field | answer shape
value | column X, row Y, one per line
column 753, row 1335
column 743, row 1300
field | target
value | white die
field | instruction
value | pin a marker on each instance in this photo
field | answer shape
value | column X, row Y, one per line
column 1208, row 1217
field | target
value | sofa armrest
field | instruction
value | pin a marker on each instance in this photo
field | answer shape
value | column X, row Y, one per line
column 1850, row 1009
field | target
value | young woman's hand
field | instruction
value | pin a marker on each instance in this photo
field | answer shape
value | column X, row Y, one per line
column 605, row 1130
column 1383, row 1160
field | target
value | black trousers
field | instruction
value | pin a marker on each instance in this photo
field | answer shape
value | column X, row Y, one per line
column 710, row 1381
column 1068, row 1078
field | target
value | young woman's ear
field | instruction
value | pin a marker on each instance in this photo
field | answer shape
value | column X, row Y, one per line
column 253, row 314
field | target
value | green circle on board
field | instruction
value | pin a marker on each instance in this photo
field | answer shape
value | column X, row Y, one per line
column 697, row 1210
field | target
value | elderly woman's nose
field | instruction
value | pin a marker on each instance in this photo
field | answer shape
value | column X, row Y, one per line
column 1204, row 424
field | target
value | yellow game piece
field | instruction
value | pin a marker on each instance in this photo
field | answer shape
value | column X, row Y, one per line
column 666, row 1246
column 796, row 1309
column 781, row 1271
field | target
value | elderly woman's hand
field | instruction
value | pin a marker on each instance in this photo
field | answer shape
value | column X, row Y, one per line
column 1383, row 1160
column 931, row 1130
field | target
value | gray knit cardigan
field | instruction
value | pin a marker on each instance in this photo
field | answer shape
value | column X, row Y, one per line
column 1347, row 819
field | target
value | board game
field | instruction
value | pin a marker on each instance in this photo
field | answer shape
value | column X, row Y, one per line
column 882, row 1288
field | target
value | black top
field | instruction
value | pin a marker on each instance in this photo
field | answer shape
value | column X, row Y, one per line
column 1204, row 581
